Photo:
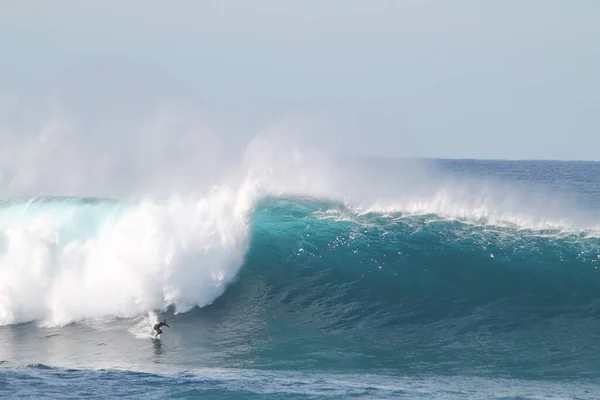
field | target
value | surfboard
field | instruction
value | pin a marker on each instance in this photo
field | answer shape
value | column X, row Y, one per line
column 156, row 337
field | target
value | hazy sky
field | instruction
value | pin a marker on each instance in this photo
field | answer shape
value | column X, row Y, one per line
column 431, row 78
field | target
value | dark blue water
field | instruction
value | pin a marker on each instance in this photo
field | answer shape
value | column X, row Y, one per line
column 485, row 285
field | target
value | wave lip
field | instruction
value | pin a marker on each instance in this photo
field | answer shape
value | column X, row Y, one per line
column 491, row 206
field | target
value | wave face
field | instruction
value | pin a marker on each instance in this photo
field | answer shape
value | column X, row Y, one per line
column 381, row 270
column 337, row 287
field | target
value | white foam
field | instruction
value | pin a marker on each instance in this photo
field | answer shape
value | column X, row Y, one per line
column 178, row 253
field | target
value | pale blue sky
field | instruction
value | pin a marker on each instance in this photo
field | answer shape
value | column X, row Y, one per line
column 432, row 78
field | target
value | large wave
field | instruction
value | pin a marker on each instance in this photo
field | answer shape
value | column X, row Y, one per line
column 184, row 221
column 68, row 259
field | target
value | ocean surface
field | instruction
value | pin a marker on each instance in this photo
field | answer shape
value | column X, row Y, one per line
column 478, row 281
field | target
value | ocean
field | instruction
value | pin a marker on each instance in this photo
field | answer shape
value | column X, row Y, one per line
column 480, row 280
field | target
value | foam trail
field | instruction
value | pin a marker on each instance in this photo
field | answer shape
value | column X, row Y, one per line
column 143, row 327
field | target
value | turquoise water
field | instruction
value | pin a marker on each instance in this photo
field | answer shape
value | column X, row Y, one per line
column 449, row 297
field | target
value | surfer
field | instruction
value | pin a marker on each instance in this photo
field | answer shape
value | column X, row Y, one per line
column 157, row 327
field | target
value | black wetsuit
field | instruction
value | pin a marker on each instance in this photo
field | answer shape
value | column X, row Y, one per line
column 157, row 327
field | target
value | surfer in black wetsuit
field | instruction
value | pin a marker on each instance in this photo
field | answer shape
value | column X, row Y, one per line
column 157, row 327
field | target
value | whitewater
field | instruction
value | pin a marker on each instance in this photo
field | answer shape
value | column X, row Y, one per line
column 286, row 271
